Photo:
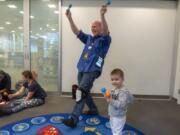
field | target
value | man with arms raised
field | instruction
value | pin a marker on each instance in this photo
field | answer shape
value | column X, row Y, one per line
column 90, row 64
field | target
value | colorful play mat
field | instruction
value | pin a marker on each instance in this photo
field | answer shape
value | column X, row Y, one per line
column 51, row 124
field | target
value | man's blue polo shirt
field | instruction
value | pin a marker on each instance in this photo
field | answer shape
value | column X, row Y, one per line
column 94, row 53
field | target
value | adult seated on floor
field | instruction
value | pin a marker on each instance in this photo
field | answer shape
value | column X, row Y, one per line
column 21, row 82
column 35, row 96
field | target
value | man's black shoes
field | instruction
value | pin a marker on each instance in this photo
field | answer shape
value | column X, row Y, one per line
column 69, row 123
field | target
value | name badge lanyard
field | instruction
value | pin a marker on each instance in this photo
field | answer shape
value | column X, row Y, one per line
column 89, row 48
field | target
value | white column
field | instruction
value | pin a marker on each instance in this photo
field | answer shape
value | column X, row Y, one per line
column 177, row 72
column 60, row 48
column 177, row 77
column 26, row 35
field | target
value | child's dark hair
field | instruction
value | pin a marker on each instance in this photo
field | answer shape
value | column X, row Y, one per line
column 119, row 72
column 27, row 74
column 2, row 74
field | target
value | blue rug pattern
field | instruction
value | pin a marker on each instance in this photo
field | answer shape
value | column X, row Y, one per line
column 51, row 125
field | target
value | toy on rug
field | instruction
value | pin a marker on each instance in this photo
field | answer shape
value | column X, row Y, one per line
column 91, row 131
column 49, row 130
column 106, row 92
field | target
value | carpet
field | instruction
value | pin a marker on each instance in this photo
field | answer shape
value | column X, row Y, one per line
column 51, row 125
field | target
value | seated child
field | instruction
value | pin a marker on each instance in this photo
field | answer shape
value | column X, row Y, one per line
column 118, row 102
column 5, row 85
column 5, row 81
column 35, row 96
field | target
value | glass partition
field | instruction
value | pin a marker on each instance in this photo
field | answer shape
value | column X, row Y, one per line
column 44, row 41
column 11, row 38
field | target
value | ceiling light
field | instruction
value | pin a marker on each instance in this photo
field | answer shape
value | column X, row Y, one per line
column 1, row 28
column 51, row 42
column 12, row 6
column 45, row 37
column 56, row 12
column 45, row 0
column 37, row 34
column 53, row 29
column 32, row 17
column 13, row 31
column 34, row 37
column 2, row 0
column 40, row 28
column 8, row 22
column 52, row 6
column 47, row 25
column 20, row 27
column 21, row 12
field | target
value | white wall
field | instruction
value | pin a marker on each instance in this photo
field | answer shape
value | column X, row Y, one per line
column 142, row 43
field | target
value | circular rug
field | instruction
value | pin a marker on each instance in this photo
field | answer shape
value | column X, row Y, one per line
column 51, row 124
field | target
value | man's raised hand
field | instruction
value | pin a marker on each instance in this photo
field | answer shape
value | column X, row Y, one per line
column 103, row 9
column 68, row 14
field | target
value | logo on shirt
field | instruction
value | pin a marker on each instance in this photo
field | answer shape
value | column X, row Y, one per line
column 115, row 96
